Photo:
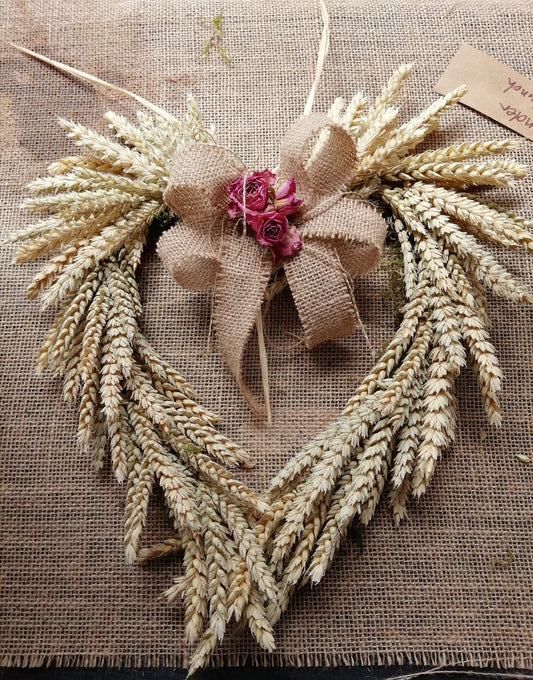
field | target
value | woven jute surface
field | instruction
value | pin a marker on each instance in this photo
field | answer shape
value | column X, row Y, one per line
column 428, row 592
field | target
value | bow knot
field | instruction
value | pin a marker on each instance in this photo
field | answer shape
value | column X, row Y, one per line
column 341, row 237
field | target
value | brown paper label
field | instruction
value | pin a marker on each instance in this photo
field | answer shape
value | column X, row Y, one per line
column 493, row 89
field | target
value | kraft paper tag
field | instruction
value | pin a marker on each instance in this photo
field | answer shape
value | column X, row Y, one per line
column 493, row 89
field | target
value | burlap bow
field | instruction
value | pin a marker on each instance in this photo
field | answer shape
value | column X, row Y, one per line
column 342, row 237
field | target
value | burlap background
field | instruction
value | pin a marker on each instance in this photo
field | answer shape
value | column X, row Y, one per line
column 427, row 592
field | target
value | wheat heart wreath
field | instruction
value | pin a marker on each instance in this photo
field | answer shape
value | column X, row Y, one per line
column 246, row 235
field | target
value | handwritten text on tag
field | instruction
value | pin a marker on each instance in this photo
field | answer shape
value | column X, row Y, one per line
column 493, row 89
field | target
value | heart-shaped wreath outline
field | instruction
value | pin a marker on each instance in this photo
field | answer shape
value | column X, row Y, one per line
column 244, row 552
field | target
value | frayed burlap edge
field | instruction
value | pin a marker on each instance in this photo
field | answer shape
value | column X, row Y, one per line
column 452, row 659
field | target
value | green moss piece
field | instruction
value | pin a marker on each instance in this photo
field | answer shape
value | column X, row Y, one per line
column 192, row 449
column 392, row 263
column 503, row 562
column 215, row 41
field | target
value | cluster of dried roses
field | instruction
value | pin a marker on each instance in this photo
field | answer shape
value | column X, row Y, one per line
column 265, row 211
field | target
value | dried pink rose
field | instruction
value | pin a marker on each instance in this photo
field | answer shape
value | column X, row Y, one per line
column 274, row 231
column 285, row 201
column 267, row 211
column 257, row 194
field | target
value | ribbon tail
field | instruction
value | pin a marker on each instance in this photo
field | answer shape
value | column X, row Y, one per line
column 244, row 272
column 322, row 293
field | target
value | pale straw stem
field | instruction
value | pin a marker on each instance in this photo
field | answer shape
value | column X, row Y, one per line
column 263, row 363
column 322, row 54
column 96, row 81
column 263, row 360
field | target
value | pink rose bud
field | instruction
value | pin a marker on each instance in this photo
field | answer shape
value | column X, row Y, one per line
column 285, row 201
column 273, row 230
column 289, row 246
column 257, row 187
